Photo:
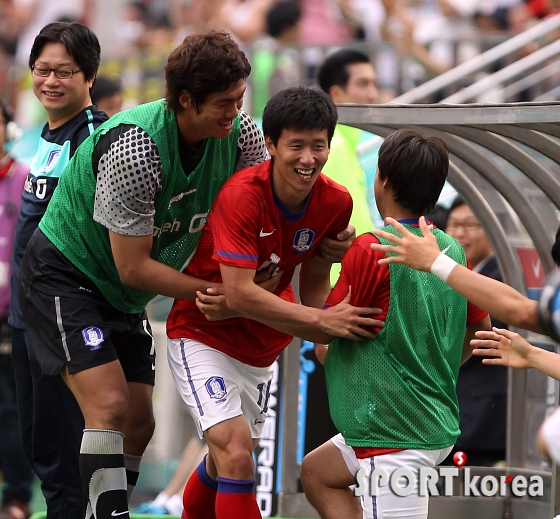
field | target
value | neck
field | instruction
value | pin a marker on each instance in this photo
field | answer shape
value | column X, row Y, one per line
column 188, row 130
column 292, row 200
column 56, row 120
column 399, row 213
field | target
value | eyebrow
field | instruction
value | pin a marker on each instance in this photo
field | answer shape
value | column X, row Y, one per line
column 64, row 64
column 229, row 98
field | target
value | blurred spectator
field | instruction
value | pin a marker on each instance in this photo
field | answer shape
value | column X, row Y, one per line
column 9, row 28
column 323, row 23
column 275, row 66
column 244, row 19
column 15, row 467
column 194, row 16
column 107, row 95
column 371, row 15
column 481, row 389
column 35, row 14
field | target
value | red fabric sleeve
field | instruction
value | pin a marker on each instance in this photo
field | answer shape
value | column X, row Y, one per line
column 235, row 232
column 369, row 280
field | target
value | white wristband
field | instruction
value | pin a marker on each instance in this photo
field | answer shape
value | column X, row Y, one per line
column 442, row 266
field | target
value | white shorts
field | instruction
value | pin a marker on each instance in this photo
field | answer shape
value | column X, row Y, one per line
column 216, row 387
column 387, row 504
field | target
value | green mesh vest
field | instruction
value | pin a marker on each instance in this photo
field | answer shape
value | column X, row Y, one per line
column 180, row 207
column 398, row 390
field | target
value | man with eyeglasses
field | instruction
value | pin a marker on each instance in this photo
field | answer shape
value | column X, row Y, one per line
column 64, row 60
column 481, row 390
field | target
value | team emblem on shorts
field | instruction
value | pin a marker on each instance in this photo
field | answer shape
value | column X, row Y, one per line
column 303, row 238
column 216, row 388
column 93, row 337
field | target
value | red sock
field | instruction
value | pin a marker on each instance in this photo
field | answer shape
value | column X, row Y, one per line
column 199, row 496
column 235, row 499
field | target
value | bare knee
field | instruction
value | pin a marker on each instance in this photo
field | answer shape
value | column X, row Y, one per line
column 109, row 412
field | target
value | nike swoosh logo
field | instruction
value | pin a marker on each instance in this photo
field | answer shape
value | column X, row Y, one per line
column 446, row 249
column 263, row 234
column 257, row 421
column 114, row 513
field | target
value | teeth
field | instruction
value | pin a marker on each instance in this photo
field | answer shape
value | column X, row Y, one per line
column 304, row 172
column 56, row 94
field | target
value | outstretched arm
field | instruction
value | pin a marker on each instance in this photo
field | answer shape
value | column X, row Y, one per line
column 496, row 298
column 313, row 324
column 506, row 348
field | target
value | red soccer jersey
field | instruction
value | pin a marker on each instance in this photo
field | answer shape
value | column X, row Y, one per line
column 249, row 227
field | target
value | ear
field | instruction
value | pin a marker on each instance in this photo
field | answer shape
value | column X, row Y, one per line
column 185, row 99
column 337, row 94
column 270, row 145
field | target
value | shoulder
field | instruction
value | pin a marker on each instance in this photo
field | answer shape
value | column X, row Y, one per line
column 332, row 189
column 253, row 179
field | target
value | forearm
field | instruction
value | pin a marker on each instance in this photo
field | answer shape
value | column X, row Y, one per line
column 155, row 277
column 496, row 298
column 546, row 361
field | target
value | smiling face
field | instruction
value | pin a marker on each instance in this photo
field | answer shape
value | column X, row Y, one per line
column 464, row 227
column 215, row 116
column 361, row 87
column 62, row 98
column 299, row 157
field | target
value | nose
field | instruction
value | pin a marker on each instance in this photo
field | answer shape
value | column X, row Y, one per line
column 306, row 156
column 51, row 78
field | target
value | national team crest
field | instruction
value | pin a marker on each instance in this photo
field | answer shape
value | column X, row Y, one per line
column 93, row 337
column 303, row 238
column 216, row 388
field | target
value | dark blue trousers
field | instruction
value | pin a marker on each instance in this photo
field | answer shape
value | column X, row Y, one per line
column 18, row 475
column 51, row 426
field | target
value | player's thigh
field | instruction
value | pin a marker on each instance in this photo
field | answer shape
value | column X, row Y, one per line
column 207, row 380
column 331, row 464
column 256, row 391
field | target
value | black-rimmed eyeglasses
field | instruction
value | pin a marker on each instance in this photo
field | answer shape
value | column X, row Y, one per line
column 60, row 73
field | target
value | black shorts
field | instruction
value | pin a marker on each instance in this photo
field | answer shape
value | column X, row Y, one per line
column 69, row 322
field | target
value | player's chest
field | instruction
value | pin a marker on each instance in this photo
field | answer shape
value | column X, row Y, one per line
column 283, row 244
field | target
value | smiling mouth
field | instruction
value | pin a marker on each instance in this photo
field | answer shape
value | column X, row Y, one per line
column 52, row 94
column 227, row 125
column 305, row 173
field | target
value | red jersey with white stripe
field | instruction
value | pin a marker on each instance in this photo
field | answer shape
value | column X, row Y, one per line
column 249, row 227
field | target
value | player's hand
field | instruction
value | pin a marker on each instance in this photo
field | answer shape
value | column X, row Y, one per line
column 345, row 320
column 267, row 281
column 321, row 351
column 334, row 250
column 503, row 347
column 413, row 251
column 214, row 305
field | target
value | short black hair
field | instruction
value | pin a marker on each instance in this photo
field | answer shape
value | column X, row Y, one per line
column 80, row 42
column 334, row 70
column 105, row 87
column 299, row 108
column 281, row 16
column 556, row 249
column 201, row 65
column 416, row 168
